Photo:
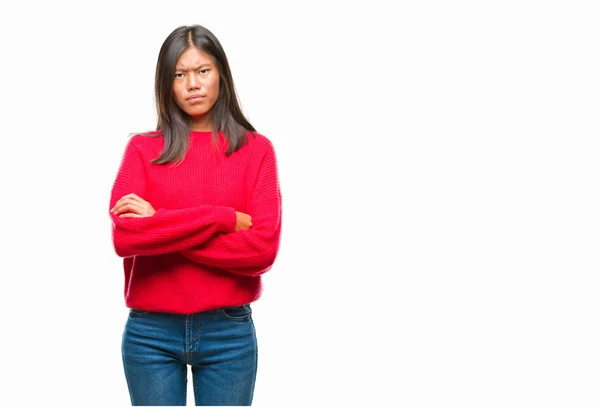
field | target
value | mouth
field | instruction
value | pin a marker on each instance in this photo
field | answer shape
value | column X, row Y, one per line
column 195, row 98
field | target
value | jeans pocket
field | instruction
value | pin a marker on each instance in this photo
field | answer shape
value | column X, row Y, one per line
column 239, row 313
column 134, row 312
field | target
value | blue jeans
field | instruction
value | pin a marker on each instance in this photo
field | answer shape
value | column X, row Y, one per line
column 220, row 345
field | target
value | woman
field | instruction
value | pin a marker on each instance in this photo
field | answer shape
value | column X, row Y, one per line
column 196, row 212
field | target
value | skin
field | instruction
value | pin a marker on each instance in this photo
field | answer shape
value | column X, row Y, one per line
column 132, row 206
column 195, row 75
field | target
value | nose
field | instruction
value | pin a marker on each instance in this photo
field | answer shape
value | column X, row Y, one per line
column 193, row 82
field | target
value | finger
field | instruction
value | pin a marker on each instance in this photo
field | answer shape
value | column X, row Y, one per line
column 128, row 197
column 125, row 201
column 124, row 197
column 130, row 215
column 117, row 208
column 117, row 205
column 134, row 197
column 131, row 199
column 128, row 207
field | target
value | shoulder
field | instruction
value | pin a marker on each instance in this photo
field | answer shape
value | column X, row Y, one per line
column 144, row 141
column 262, row 150
column 142, row 147
column 260, row 141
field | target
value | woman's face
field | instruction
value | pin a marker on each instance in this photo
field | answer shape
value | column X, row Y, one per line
column 196, row 86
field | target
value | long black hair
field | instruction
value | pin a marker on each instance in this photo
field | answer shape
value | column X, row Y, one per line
column 173, row 123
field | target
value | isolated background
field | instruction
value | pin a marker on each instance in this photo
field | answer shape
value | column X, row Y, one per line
column 439, row 171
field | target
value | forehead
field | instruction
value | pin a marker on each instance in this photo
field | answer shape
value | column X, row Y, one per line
column 193, row 57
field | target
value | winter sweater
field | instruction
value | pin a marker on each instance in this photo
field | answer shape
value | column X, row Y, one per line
column 187, row 257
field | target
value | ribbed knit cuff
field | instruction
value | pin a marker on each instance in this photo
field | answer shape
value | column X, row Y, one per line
column 225, row 218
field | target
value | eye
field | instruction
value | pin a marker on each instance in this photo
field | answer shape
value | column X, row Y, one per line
column 204, row 71
column 179, row 75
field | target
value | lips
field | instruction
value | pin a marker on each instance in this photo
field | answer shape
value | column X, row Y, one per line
column 195, row 98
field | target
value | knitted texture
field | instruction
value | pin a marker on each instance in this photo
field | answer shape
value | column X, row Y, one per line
column 187, row 257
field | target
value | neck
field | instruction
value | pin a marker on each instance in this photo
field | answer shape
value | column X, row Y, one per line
column 202, row 123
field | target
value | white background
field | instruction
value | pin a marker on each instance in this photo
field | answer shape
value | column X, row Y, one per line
column 439, row 170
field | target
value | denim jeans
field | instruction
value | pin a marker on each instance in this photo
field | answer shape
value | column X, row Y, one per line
column 220, row 345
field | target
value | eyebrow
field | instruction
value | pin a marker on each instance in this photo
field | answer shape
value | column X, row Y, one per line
column 179, row 68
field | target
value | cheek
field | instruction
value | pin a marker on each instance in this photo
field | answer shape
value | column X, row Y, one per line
column 177, row 93
column 215, row 88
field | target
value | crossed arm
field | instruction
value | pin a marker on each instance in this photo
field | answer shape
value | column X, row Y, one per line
column 217, row 236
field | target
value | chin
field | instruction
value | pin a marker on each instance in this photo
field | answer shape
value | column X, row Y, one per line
column 196, row 113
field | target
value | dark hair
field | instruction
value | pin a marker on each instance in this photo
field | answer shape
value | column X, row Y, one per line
column 174, row 124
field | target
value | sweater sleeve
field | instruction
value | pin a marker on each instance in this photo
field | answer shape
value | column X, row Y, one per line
column 253, row 251
column 168, row 230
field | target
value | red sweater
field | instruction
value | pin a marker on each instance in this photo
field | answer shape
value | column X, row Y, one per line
column 187, row 257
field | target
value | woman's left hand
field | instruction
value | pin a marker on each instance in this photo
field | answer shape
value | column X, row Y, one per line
column 132, row 206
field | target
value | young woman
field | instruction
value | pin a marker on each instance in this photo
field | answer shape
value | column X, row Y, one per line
column 196, row 212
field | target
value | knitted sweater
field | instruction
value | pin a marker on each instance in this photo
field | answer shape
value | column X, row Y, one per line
column 187, row 257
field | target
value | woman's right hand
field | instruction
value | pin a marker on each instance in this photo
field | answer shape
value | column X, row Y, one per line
column 242, row 221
